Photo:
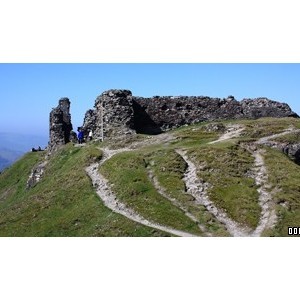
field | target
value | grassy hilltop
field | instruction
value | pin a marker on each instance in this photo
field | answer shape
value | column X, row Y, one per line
column 148, row 177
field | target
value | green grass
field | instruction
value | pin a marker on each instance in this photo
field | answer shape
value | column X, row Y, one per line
column 63, row 203
column 169, row 168
column 128, row 174
column 284, row 176
column 195, row 135
column 13, row 180
column 225, row 167
column 289, row 138
column 267, row 126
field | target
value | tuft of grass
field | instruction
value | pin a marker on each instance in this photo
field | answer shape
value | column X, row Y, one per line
column 292, row 138
column 267, row 126
column 125, row 141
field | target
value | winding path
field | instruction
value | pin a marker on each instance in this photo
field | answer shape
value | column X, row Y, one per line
column 268, row 216
column 104, row 191
column 195, row 186
column 164, row 193
column 198, row 189
column 265, row 139
column 233, row 131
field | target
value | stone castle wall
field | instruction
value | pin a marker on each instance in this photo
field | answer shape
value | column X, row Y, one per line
column 117, row 113
column 114, row 110
column 124, row 114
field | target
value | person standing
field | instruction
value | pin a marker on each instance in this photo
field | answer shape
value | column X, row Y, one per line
column 80, row 136
column 90, row 135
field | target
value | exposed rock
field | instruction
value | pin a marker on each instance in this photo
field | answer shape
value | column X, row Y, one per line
column 36, row 175
column 60, row 125
column 114, row 110
column 293, row 151
column 290, row 148
column 215, row 127
column 122, row 113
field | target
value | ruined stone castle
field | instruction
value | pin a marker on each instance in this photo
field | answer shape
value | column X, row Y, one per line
column 117, row 113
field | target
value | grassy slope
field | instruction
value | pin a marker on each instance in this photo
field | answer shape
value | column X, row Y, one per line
column 169, row 168
column 128, row 174
column 62, row 204
column 284, row 176
column 65, row 204
column 225, row 167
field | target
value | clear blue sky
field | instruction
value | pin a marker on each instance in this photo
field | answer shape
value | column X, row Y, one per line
column 29, row 91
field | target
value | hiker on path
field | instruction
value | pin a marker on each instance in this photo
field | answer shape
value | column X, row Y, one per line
column 80, row 136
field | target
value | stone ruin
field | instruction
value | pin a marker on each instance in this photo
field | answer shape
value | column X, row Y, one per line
column 113, row 115
column 118, row 113
column 60, row 131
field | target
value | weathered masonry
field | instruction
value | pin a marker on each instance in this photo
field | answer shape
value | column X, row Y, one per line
column 117, row 113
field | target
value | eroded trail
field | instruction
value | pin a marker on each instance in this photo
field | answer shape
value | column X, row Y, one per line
column 195, row 186
column 232, row 131
column 164, row 193
column 266, row 139
column 104, row 191
column 198, row 189
column 268, row 216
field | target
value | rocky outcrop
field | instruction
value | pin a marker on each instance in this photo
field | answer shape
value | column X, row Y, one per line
column 290, row 147
column 60, row 125
column 292, row 150
column 36, row 175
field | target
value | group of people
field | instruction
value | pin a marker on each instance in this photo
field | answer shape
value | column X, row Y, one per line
column 35, row 150
column 80, row 136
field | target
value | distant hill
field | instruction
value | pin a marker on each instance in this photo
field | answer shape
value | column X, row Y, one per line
column 14, row 145
column 227, row 178
column 4, row 163
column 8, row 156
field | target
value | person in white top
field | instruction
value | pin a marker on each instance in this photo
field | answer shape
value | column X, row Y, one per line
column 90, row 135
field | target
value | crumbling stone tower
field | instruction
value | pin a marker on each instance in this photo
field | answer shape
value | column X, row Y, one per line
column 113, row 115
column 60, row 125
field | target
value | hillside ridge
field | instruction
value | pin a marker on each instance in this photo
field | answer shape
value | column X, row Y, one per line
column 225, row 178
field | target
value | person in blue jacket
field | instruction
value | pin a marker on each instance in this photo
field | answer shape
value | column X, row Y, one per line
column 80, row 136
